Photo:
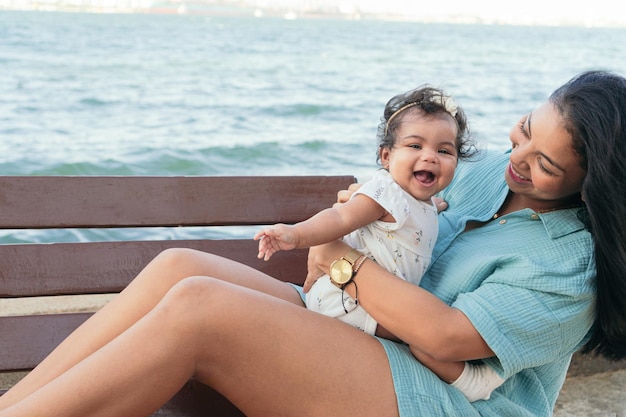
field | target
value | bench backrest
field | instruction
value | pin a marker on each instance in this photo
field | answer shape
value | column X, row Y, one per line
column 88, row 202
column 122, row 202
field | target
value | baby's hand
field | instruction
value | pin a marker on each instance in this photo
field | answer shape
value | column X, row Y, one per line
column 275, row 238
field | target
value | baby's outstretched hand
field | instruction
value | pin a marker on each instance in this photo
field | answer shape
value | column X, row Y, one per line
column 275, row 238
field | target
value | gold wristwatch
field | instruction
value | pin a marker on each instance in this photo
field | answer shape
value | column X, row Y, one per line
column 342, row 270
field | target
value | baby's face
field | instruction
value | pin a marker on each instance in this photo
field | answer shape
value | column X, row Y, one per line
column 424, row 156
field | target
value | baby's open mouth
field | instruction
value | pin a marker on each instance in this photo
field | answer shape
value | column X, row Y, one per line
column 425, row 177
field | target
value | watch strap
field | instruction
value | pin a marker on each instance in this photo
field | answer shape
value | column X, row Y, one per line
column 357, row 265
column 352, row 256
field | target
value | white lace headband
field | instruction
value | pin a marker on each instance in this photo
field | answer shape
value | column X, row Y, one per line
column 446, row 101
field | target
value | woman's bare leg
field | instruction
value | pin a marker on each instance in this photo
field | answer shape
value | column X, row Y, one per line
column 269, row 357
column 158, row 277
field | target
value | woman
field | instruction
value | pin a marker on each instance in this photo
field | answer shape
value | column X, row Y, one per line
column 513, row 273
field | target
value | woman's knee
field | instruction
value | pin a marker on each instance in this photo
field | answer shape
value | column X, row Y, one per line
column 195, row 296
column 174, row 258
column 174, row 264
column 193, row 287
column 198, row 308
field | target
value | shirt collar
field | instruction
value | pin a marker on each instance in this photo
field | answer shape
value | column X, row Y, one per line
column 561, row 222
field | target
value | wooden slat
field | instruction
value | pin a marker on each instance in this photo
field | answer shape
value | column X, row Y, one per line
column 103, row 267
column 198, row 400
column 195, row 400
column 26, row 340
column 64, row 201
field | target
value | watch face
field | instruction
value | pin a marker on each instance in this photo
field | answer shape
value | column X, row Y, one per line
column 341, row 271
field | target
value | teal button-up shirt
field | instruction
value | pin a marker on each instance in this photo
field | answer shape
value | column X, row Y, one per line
column 524, row 280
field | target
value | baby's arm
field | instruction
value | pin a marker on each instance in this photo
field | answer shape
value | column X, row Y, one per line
column 327, row 225
column 275, row 238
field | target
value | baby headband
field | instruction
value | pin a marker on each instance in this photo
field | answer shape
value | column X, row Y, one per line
column 446, row 101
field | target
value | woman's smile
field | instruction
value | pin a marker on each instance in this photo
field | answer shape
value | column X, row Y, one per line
column 517, row 177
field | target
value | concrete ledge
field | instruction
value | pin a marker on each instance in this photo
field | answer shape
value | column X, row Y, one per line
column 52, row 305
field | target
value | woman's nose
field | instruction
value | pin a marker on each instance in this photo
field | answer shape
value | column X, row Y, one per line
column 519, row 146
column 520, row 153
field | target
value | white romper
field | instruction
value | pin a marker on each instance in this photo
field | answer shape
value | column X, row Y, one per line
column 403, row 247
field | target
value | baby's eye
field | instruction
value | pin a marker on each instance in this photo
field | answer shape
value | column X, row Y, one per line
column 415, row 146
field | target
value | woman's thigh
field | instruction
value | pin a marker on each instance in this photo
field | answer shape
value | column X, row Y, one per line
column 173, row 265
column 272, row 358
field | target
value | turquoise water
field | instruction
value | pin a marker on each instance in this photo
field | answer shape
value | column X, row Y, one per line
column 96, row 94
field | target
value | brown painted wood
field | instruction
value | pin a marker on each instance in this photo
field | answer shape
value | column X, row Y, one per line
column 65, row 201
column 198, row 400
column 195, row 400
column 26, row 340
column 103, row 267
column 36, row 269
column 99, row 267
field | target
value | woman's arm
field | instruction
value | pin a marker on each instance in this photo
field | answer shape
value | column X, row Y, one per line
column 446, row 371
column 414, row 315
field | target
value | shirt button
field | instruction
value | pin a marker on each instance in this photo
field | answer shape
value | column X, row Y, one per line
column 534, row 216
column 502, row 221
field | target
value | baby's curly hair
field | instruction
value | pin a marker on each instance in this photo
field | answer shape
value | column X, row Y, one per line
column 429, row 100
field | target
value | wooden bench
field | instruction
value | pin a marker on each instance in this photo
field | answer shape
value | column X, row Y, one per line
column 150, row 204
column 77, row 268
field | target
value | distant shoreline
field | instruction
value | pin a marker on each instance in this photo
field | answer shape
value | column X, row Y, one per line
column 242, row 10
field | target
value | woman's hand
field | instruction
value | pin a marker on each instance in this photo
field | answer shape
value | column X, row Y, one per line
column 440, row 203
column 320, row 258
column 344, row 195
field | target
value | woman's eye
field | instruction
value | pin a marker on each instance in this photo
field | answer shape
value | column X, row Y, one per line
column 522, row 128
column 543, row 168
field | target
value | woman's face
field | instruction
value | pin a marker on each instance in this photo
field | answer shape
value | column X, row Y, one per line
column 544, row 169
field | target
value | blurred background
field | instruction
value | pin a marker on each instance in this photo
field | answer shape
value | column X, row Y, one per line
column 123, row 87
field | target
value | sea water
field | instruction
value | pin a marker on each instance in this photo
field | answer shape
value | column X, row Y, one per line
column 146, row 94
